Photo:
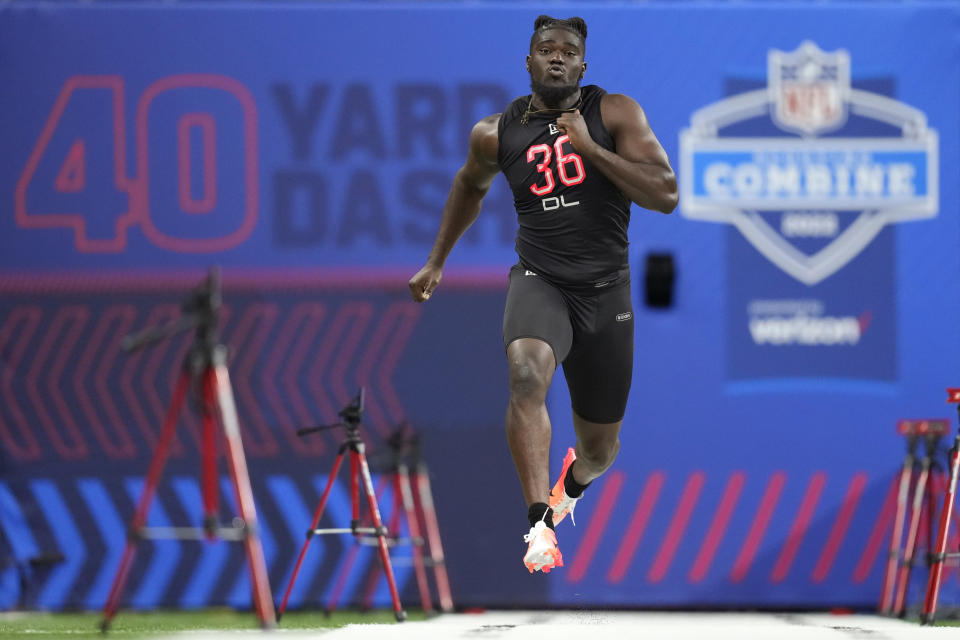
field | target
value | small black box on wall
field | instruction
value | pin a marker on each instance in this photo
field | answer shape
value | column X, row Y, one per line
column 659, row 278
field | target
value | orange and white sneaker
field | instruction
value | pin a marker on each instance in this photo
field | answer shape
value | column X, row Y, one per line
column 542, row 552
column 560, row 502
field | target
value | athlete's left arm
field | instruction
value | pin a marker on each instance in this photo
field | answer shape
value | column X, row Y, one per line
column 640, row 167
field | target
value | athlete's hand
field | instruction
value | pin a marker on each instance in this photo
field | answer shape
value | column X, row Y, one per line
column 575, row 127
column 424, row 282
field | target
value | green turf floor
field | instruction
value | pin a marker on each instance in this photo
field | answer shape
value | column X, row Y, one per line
column 131, row 624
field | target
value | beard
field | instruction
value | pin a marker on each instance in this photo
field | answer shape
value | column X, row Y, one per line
column 553, row 95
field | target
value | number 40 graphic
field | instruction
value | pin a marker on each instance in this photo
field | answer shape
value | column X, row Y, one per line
column 77, row 176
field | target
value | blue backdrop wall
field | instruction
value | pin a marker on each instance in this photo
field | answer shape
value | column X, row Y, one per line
column 308, row 150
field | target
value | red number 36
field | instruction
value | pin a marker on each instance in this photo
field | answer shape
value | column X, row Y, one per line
column 568, row 176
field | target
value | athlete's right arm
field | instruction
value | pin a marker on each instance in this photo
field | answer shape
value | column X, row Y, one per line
column 469, row 186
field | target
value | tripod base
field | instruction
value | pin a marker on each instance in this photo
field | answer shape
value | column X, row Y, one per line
column 217, row 395
column 359, row 472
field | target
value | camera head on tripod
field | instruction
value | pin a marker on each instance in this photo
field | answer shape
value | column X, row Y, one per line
column 200, row 312
column 352, row 414
column 205, row 299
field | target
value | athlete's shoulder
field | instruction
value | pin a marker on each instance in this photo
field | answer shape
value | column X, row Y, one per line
column 619, row 100
column 484, row 138
column 486, row 126
column 618, row 109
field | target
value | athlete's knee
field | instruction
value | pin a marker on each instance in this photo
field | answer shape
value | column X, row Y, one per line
column 598, row 455
column 527, row 380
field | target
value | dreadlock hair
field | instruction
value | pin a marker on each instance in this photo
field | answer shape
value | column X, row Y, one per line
column 574, row 25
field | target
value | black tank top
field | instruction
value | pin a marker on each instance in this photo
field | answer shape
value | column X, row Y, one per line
column 573, row 220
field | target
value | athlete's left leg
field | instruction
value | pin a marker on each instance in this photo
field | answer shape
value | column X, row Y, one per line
column 598, row 370
column 597, row 447
column 595, row 450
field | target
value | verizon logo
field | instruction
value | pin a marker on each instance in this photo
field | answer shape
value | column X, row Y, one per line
column 809, row 330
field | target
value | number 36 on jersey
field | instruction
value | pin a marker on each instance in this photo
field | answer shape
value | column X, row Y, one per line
column 569, row 167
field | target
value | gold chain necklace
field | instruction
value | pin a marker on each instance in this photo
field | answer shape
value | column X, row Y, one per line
column 530, row 111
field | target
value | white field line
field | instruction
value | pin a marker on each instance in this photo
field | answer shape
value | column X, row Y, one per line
column 604, row 625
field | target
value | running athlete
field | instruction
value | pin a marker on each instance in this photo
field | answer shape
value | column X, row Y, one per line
column 575, row 158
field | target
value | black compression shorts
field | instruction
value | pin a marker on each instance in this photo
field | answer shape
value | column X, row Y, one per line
column 592, row 335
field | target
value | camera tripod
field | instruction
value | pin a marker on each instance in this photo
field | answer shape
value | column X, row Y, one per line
column 939, row 554
column 204, row 367
column 359, row 470
column 900, row 562
column 413, row 503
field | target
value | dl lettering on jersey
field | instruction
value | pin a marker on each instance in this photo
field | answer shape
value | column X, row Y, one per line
column 812, row 172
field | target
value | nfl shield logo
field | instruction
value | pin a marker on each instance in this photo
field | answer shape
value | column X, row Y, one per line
column 809, row 88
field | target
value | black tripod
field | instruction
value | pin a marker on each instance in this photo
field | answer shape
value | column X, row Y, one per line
column 359, row 470
column 205, row 366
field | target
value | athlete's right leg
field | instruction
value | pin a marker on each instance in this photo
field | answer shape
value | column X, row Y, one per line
column 537, row 335
column 532, row 365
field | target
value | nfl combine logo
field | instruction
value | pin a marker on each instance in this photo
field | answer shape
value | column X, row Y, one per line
column 809, row 202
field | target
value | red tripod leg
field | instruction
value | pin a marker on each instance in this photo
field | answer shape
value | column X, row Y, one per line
column 893, row 559
column 354, row 523
column 146, row 497
column 313, row 525
column 425, row 495
column 343, row 575
column 378, row 523
column 913, row 539
column 946, row 514
column 211, row 494
column 413, row 524
column 374, row 578
column 355, row 489
column 217, row 381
